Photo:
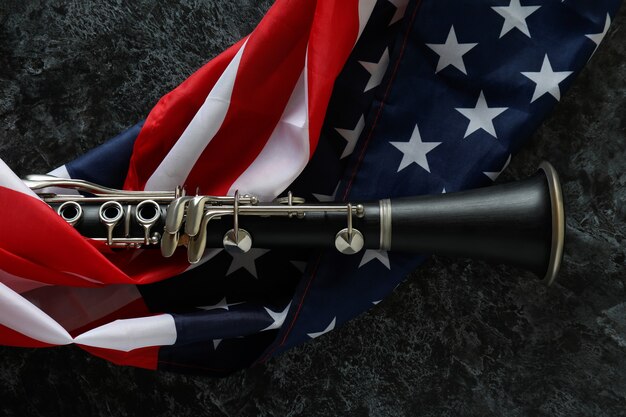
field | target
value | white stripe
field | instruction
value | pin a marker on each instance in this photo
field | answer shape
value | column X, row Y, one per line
column 129, row 334
column 20, row 315
column 177, row 164
column 366, row 7
column 9, row 180
column 285, row 154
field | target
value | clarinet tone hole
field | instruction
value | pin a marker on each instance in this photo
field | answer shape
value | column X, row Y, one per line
column 148, row 211
column 111, row 211
column 70, row 211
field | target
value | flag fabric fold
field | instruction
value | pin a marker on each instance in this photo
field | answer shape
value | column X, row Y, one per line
column 335, row 100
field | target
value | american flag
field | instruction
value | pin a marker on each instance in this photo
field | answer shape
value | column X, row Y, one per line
column 345, row 100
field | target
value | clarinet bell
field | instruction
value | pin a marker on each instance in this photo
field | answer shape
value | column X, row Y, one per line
column 521, row 223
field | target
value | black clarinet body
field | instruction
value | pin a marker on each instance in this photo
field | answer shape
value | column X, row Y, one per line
column 519, row 223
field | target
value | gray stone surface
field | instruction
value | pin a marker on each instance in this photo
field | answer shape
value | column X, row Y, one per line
column 457, row 338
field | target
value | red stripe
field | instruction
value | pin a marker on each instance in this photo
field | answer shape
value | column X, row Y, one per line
column 169, row 118
column 35, row 243
column 333, row 36
column 270, row 66
column 148, row 265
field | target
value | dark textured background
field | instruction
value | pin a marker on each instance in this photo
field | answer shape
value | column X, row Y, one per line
column 457, row 338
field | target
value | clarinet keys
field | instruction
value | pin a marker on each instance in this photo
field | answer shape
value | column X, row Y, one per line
column 237, row 240
column 349, row 240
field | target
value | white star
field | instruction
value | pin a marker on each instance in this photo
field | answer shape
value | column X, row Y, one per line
column 597, row 37
column 451, row 52
column 366, row 7
column 216, row 343
column 415, row 150
column 380, row 255
column 351, row 136
column 515, row 17
column 494, row 175
column 481, row 117
column 400, row 10
column 330, row 327
column 547, row 80
column 247, row 261
column 278, row 317
column 377, row 70
column 222, row 304
column 325, row 197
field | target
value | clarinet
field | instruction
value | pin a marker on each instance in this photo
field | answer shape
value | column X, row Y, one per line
column 520, row 223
